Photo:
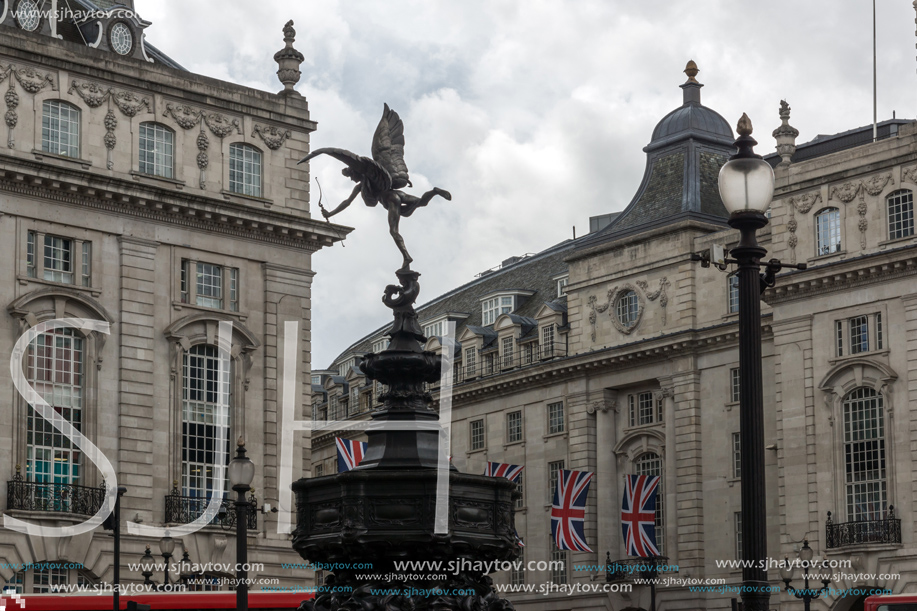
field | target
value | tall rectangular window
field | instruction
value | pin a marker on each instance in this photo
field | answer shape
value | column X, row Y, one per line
column 555, row 417
column 528, row 353
column 828, row 231
column 733, row 293
column 554, row 469
column 737, row 519
column 562, row 286
column 558, row 564
column 488, row 364
column 30, row 254
column 651, row 464
column 520, row 488
column 210, row 283
column 547, row 341
column 86, row 269
column 900, row 214
column 839, row 337
column 734, row 380
column 477, row 434
column 205, row 417
column 514, row 426
column 859, row 335
column 517, row 573
column 879, row 339
column 60, row 128
column 736, row 455
column 508, row 344
column 471, row 364
column 645, row 407
column 58, row 259
column 319, row 470
column 156, row 150
column 864, row 455
column 245, row 170
column 54, row 368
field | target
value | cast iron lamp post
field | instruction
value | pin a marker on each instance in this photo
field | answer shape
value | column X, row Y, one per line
column 241, row 474
column 146, row 567
column 166, row 547
column 746, row 185
column 786, row 573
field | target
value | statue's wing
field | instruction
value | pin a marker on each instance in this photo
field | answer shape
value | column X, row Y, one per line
column 388, row 147
column 378, row 177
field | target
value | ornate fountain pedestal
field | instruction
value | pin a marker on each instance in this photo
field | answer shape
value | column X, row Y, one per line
column 384, row 510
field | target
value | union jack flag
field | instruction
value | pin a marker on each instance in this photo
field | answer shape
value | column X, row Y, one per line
column 638, row 515
column 350, row 453
column 501, row 469
column 569, row 510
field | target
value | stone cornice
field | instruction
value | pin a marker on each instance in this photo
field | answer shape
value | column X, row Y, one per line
column 116, row 196
column 844, row 275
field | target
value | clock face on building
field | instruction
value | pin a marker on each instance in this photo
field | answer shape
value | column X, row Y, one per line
column 121, row 39
column 27, row 15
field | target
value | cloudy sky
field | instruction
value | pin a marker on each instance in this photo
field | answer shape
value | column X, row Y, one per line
column 532, row 113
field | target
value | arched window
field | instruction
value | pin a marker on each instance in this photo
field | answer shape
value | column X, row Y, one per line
column 627, row 309
column 245, row 170
column 60, row 128
column 651, row 464
column 900, row 214
column 54, row 367
column 201, row 397
column 864, row 455
column 827, row 231
column 156, row 150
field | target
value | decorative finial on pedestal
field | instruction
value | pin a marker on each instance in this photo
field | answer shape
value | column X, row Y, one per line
column 289, row 60
column 691, row 70
column 786, row 135
column 744, row 127
column 691, row 87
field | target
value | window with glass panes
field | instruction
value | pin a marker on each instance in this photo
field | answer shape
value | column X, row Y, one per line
column 54, row 368
column 864, row 455
column 736, row 455
column 380, row 345
column 900, row 205
column 156, row 150
column 471, row 355
column 517, row 573
column 489, row 362
column 734, row 379
column 206, row 408
column 15, row 584
column 436, row 329
column 492, row 308
column 48, row 580
column 737, row 519
column 514, row 426
column 556, row 417
column 62, row 259
column 859, row 334
column 208, row 288
column 554, row 469
column 60, row 128
column 520, row 487
column 245, row 170
column 562, row 286
column 827, row 231
column 508, row 343
column 334, row 407
column 547, row 341
column 528, row 353
column 558, row 564
column 651, row 464
column 319, row 469
column 627, row 308
column 732, row 294
column 641, row 407
column 366, row 399
column 477, row 434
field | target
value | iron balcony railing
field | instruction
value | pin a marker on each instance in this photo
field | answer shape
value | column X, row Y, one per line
column 186, row 509
column 631, row 568
column 488, row 364
column 53, row 497
column 882, row 530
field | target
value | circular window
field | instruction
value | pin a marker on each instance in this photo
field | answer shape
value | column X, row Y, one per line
column 121, row 39
column 27, row 15
column 627, row 309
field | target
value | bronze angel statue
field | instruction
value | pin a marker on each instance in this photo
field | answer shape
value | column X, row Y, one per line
column 380, row 179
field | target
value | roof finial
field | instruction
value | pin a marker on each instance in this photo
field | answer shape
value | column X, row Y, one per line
column 744, row 127
column 785, row 135
column 691, row 87
column 289, row 60
column 691, row 70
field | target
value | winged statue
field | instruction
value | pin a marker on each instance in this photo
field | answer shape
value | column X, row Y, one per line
column 380, row 179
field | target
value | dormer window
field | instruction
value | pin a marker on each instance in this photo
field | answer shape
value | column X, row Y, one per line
column 492, row 308
column 562, row 286
column 121, row 39
column 380, row 344
column 346, row 366
column 436, row 329
column 28, row 15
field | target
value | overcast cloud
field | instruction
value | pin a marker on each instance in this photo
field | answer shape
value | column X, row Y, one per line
column 532, row 113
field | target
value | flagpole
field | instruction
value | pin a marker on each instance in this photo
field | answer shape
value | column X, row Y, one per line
column 875, row 125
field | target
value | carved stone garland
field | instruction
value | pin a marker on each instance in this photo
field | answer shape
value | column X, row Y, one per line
column 220, row 125
column 129, row 103
column 613, row 293
column 272, row 137
column 32, row 81
column 909, row 174
column 849, row 190
column 802, row 203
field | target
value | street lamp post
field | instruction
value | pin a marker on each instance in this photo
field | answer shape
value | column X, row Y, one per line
column 241, row 474
column 146, row 567
column 166, row 547
column 786, row 573
column 746, row 185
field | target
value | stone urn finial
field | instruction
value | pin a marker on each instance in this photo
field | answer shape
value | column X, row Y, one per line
column 785, row 135
column 289, row 60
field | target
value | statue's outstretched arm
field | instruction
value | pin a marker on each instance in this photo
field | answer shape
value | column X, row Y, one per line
column 344, row 203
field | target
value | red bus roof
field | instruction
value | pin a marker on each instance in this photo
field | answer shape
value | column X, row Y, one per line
column 907, row 601
column 159, row 600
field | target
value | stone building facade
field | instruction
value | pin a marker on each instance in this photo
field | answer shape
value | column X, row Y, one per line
column 162, row 203
column 615, row 353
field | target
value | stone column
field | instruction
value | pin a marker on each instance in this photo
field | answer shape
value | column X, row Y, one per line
column 689, row 475
column 608, row 503
column 667, row 396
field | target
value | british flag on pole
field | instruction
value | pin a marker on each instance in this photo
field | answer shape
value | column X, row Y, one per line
column 638, row 515
column 350, row 453
column 569, row 510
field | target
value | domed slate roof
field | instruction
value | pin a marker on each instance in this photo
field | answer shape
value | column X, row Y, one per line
column 692, row 117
